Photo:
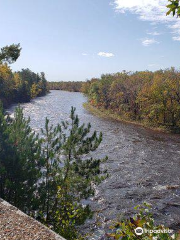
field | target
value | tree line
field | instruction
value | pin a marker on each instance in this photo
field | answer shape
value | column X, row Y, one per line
column 152, row 98
column 20, row 86
column 65, row 86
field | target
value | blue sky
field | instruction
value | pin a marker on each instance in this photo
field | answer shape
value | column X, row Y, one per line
column 74, row 40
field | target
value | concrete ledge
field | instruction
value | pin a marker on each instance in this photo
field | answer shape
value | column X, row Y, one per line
column 15, row 225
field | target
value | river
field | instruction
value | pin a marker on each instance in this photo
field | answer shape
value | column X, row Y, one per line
column 144, row 165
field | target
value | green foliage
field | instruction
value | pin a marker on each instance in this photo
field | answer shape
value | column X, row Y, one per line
column 19, row 161
column 68, row 175
column 151, row 98
column 49, row 176
column 20, row 86
column 174, row 7
column 10, row 53
column 69, row 215
column 125, row 229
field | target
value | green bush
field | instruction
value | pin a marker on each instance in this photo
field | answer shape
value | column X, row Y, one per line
column 126, row 229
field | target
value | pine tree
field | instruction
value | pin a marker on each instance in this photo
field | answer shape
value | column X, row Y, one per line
column 6, row 154
column 49, row 175
column 51, row 141
column 68, row 175
column 20, row 161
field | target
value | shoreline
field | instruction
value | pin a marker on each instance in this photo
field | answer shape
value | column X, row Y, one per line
column 103, row 113
column 18, row 103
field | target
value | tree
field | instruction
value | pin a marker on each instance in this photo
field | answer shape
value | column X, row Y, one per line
column 10, row 53
column 68, row 176
column 6, row 155
column 174, row 7
column 20, row 161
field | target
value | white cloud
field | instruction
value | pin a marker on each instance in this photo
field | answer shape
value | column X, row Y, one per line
column 153, row 65
column 176, row 38
column 146, row 42
column 105, row 54
column 154, row 33
column 84, row 54
column 151, row 10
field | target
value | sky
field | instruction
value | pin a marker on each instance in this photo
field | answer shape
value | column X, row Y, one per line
column 75, row 40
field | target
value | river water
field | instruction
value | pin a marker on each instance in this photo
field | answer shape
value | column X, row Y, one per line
column 144, row 165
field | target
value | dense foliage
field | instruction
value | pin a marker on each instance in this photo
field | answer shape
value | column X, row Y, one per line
column 174, row 7
column 127, row 229
column 48, row 176
column 18, row 86
column 10, row 53
column 65, row 86
column 151, row 98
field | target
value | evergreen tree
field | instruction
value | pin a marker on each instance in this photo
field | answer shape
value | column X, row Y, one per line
column 10, row 53
column 48, row 189
column 22, row 163
column 49, row 176
column 68, row 175
column 6, row 155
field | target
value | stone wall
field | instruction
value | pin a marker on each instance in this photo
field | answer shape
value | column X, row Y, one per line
column 15, row 225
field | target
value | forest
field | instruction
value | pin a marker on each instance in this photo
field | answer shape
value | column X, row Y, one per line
column 65, row 86
column 20, row 86
column 151, row 98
